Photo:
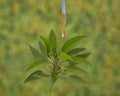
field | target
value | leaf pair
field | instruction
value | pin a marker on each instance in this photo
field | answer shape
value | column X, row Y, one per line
column 72, row 71
column 40, row 57
column 77, row 52
column 50, row 45
column 71, row 43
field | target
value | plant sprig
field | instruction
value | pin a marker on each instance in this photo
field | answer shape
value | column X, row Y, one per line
column 59, row 58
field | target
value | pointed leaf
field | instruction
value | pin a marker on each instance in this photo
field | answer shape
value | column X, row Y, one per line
column 72, row 63
column 77, row 78
column 75, row 68
column 43, row 49
column 35, row 75
column 80, row 60
column 35, row 52
column 65, row 56
column 36, row 63
column 76, row 51
column 85, row 55
column 52, row 38
column 69, row 44
column 47, row 44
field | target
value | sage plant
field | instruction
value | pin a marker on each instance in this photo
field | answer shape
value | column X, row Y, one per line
column 59, row 58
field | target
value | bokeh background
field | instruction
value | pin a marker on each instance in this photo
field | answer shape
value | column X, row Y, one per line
column 23, row 21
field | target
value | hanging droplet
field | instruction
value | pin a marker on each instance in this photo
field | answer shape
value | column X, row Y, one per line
column 63, row 33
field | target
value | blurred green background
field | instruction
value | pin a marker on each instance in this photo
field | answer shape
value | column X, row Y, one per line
column 23, row 21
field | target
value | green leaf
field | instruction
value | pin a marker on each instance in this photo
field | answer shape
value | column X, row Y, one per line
column 65, row 56
column 47, row 44
column 77, row 78
column 36, row 63
column 72, row 63
column 76, row 51
column 35, row 52
column 76, row 68
column 52, row 38
column 35, row 75
column 43, row 49
column 69, row 44
column 80, row 60
column 85, row 55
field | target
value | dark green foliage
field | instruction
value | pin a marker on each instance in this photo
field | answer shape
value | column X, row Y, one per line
column 36, row 63
column 35, row 52
column 66, row 61
column 48, row 45
column 84, row 55
column 77, row 78
column 75, row 68
column 80, row 60
column 52, row 39
column 76, row 51
column 35, row 75
column 69, row 44
column 65, row 56
column 42, row 48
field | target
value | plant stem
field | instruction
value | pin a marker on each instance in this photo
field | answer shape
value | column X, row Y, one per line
column 53, row 75
column 51, row 87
